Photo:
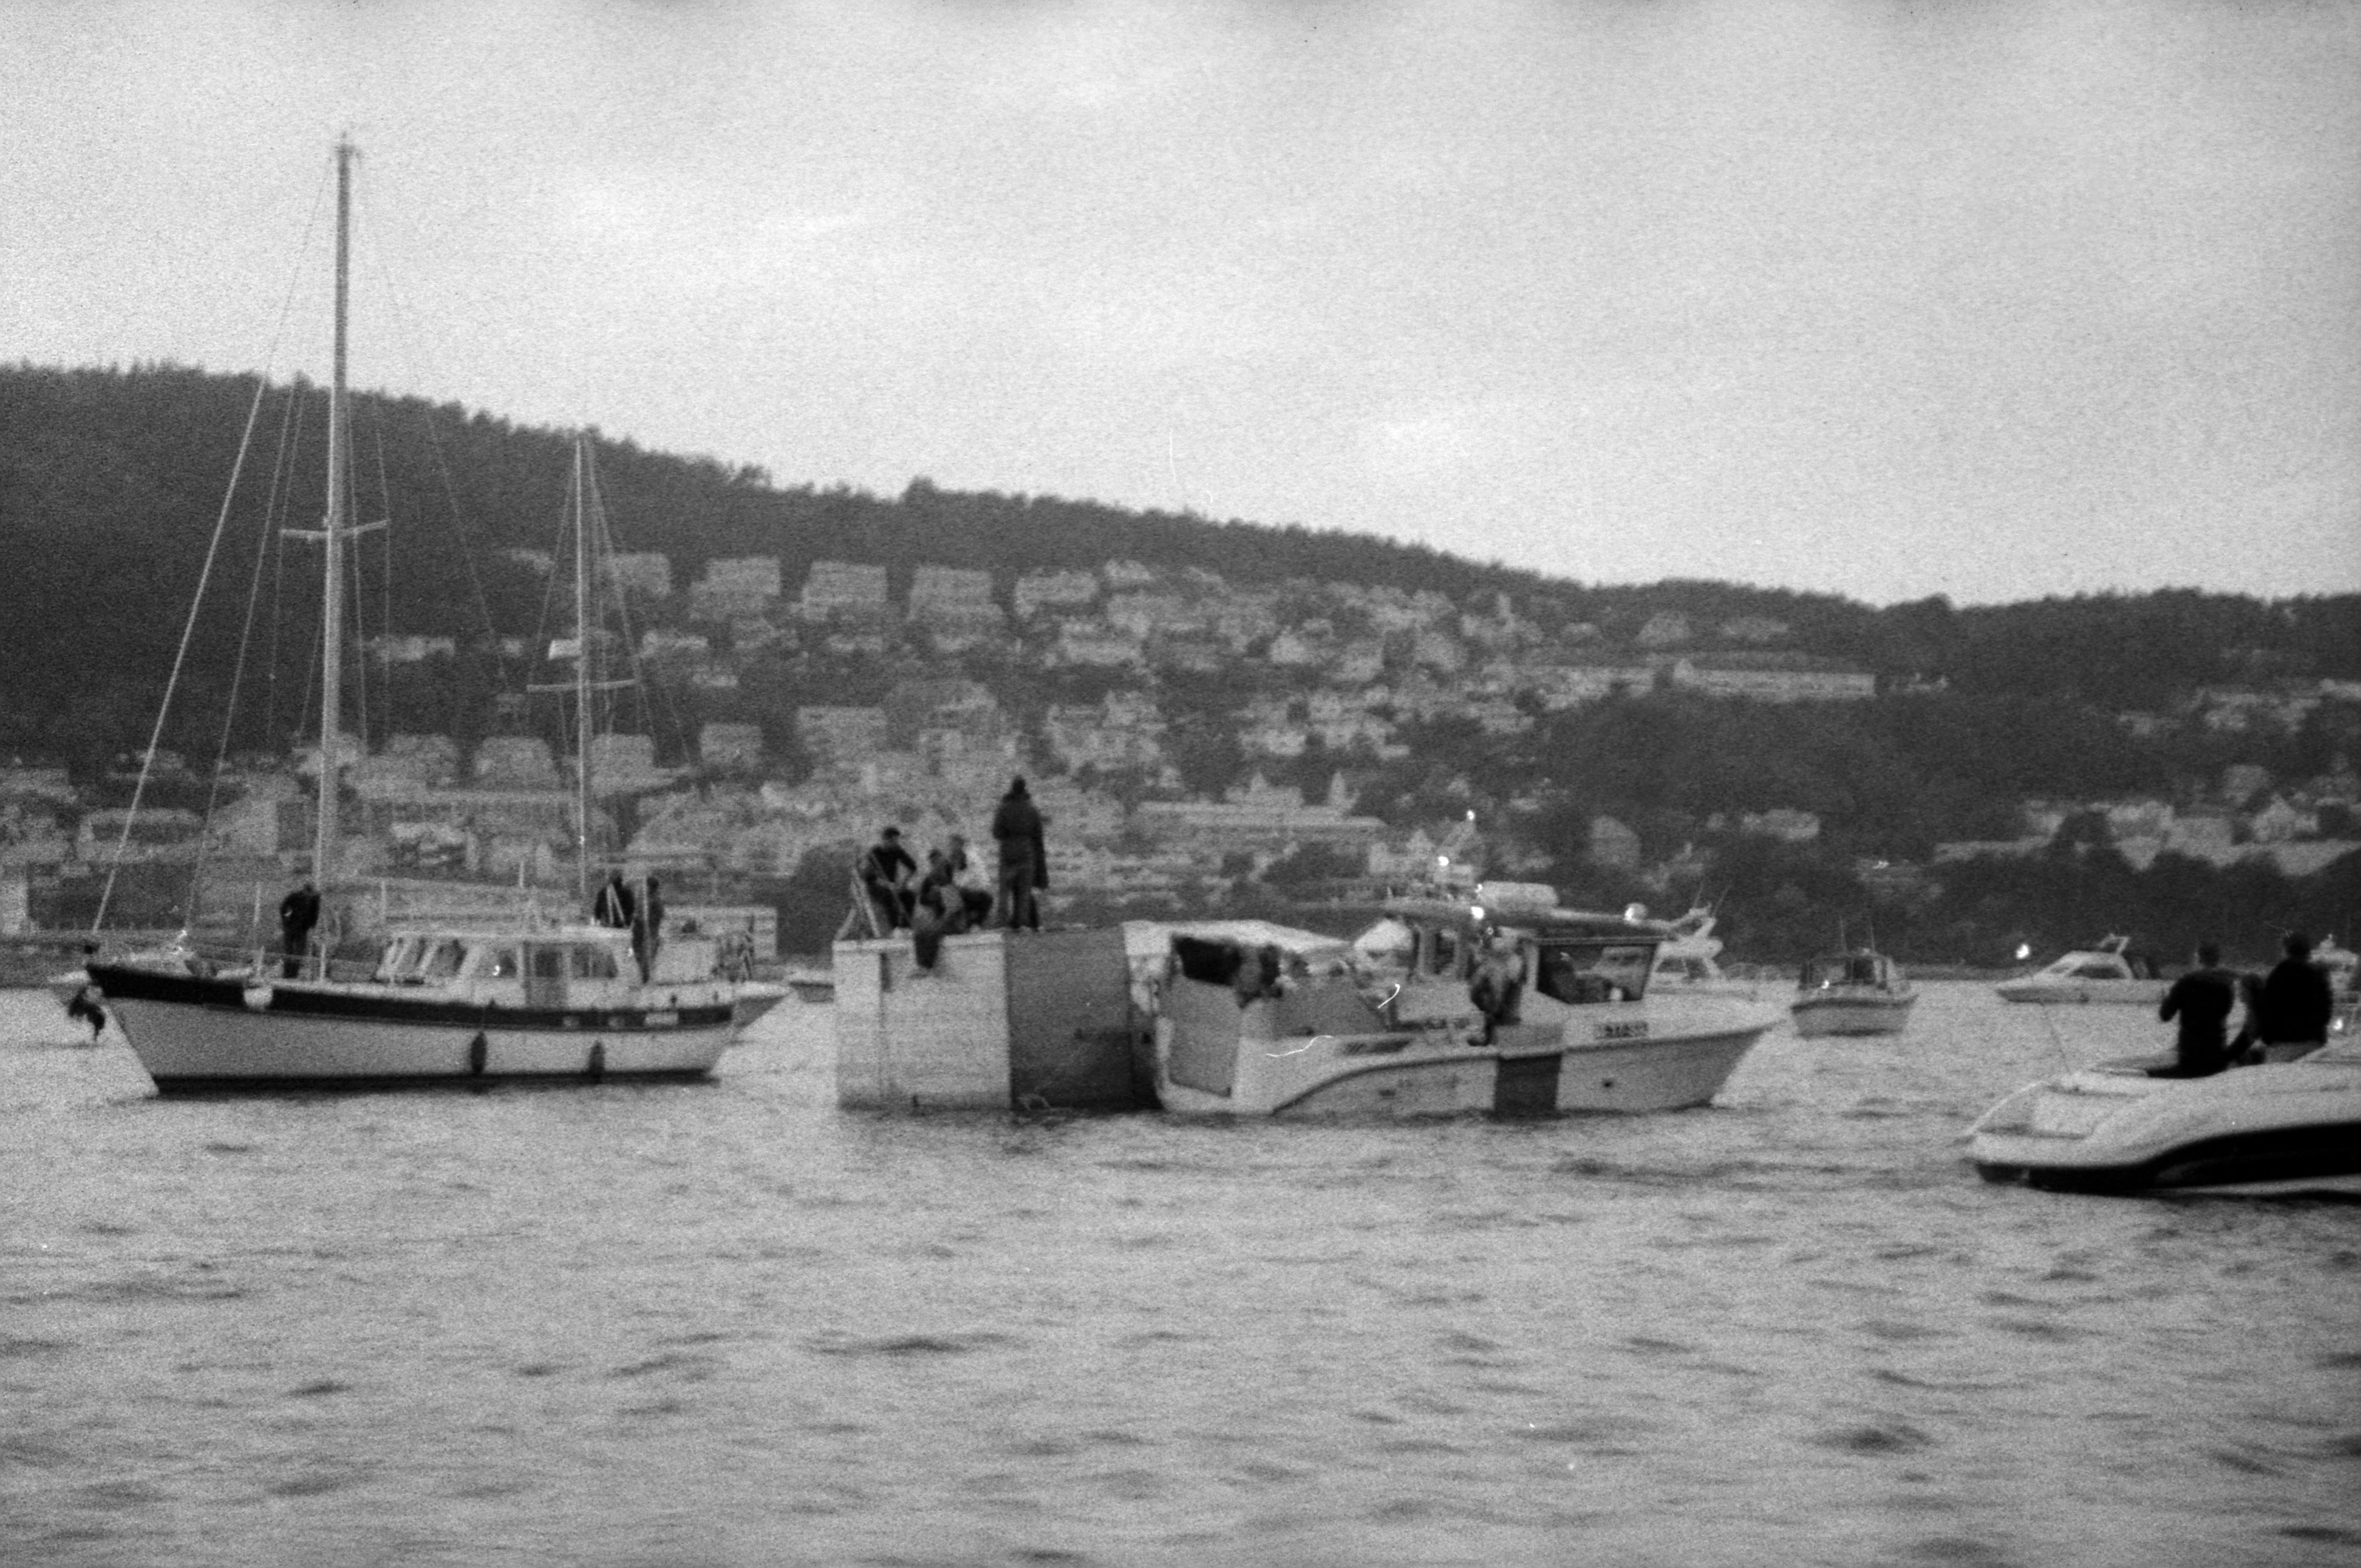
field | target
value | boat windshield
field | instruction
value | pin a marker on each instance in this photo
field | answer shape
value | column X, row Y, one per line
column 1583, row 973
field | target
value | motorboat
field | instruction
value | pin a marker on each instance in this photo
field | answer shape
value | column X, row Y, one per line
column 1857, row 991
column 1689, row 958
column 2111, row 971
column 520, row 998
column 1501, row 1002
column 2114, row 1127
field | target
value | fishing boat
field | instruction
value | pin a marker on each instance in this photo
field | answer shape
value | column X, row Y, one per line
column 1500, row 1002
column 2111, row 971
column 509, row 998
column 1855, row 991
column 2287, row 1127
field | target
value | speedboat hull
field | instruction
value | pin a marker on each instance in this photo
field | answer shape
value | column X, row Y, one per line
column 2054, row 991
column 1213, row 1060
column 2112, row 1128
column 224, row 1034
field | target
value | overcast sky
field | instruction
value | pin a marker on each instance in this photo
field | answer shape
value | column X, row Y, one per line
column 1990, row 300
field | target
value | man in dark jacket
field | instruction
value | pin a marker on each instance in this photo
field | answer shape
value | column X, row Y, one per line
column 2296, row 1004
column 1024, row 864
column 885, row 872
column 2202, row 1000
column 298, row 913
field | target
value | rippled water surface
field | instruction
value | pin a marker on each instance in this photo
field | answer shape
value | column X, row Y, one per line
column 730, row 1324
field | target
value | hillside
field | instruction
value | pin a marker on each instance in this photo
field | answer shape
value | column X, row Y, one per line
column 111, row 482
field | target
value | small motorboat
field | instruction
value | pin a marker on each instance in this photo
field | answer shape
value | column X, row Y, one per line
column 2111, row 971
column 1855, row 992
column 2285, row 1127
column 1688, row 961
column 1500, row 1002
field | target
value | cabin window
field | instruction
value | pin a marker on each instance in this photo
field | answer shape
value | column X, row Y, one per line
column 443, row 959
column 1579, row 975
column 501, row 963
column 1442, row 952
column 400, row 957
column 548, row 963
column 590, row 963
column 2098, row 972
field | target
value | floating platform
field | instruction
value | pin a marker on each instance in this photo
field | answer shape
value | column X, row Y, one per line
column 1001, row 1020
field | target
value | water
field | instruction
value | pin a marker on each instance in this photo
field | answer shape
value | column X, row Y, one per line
column 729, row 1324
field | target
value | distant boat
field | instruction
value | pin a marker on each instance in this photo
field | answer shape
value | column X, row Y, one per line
column 1689, row 961
column 1856, row 991
column 1258, row 1025
column 2108, row 972
column 517, row 999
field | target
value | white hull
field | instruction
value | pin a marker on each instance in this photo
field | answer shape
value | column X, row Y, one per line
column 186, row 1047
column 2294, row 1127
column 2075, row 993
column 1867, row 1012
column 1627, row 1058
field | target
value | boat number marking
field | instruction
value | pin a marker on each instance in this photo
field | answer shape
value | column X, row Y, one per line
column 1637, row 1029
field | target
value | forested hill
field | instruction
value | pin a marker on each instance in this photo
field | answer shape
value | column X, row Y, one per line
column 111, row 482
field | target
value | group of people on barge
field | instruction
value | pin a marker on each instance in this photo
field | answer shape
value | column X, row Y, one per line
column 950, row 895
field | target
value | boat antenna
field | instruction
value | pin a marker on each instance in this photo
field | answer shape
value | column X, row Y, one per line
column 582, row 633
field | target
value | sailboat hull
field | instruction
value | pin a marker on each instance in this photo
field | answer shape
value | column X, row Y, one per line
column 227, row 1035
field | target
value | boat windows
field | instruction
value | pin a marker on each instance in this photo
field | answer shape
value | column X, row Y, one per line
column 501, row 963
column 2099, row 971
column 590, row 963
column 1582, row 973
column 546, row 963
column 1440, row 950
column 442, row 960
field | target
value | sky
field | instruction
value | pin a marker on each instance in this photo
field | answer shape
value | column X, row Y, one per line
column 1988, row 300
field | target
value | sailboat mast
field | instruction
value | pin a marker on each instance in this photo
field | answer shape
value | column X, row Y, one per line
column 332, row 601
column 582, row 634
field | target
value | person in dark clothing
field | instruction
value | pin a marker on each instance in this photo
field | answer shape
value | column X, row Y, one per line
column 86, row 1005
column 2202, row 1000
column 614, row 908
column 1024, row 863
column 647, row 931
column 299, row 912
column 2296, row 1004
column 885, row 872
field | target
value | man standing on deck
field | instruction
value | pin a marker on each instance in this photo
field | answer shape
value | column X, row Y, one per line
column 299, row 912
column 647, row 931
column 2202, row 1000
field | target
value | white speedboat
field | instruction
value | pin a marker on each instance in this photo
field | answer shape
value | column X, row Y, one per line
column 523, row 1000
column 2289, row 1127
column 1859, row 992
column 1689, row 961
column 1501, row 1002
column 2108, row 972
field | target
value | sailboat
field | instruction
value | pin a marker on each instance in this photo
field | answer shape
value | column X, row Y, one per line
column 516, row 1000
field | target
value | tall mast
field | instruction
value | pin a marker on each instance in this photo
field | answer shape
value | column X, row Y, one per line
column 582, row 635
column 332, row 601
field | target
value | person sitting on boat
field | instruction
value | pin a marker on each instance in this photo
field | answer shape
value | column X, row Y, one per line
column 885, row 871
column 969, row 880
column 2296, row 1004
column 2202, row 1000
column 299, row 912
column 614, row 907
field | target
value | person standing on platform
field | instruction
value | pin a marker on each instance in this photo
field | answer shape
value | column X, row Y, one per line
column 2202, row 1000
column 299, row 912
column 1024, row 865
